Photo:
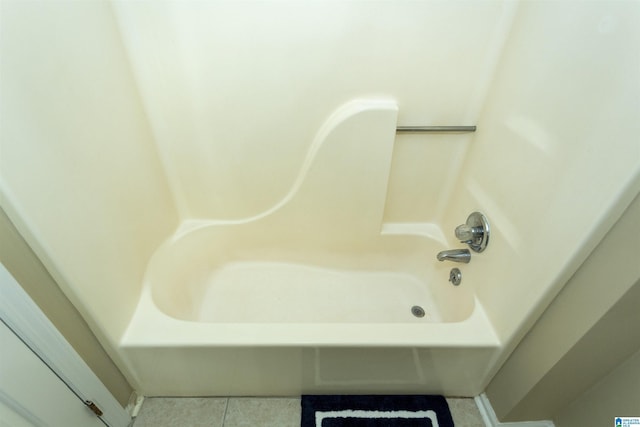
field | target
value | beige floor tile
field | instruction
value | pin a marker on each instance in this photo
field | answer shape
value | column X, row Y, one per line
column 465, row 412
column 250, row 412
column 263, row 412
column 178, row 411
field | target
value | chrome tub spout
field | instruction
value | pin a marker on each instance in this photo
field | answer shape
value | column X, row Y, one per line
column 455, row 255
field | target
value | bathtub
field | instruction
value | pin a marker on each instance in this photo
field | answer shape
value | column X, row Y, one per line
column 317, row 294
column 279, row 322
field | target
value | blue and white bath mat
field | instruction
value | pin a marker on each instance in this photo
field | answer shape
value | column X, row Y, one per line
column 375, row 411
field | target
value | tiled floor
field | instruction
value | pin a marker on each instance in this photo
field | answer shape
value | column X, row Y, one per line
column 255, row 412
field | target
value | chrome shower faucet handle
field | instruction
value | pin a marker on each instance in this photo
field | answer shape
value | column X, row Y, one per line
column 475, row 232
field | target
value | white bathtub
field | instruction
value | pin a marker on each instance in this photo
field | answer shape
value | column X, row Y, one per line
column 313, row 295
column 229, row 274
column 220, row 318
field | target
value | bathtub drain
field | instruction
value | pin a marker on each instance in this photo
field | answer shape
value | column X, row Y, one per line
column 417, row 311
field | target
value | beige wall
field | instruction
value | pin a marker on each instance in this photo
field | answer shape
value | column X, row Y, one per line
column 616, row 394
column 588, row 330
column 27, row 269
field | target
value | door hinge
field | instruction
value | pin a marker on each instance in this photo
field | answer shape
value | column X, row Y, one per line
column 94, row 408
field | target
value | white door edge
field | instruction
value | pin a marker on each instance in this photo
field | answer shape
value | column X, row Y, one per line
column 25, row 318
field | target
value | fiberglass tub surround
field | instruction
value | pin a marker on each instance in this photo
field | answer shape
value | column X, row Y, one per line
column 188, row 167
column 323, row 253
column 298, row 288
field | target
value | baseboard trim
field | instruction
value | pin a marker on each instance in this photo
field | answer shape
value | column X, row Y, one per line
column 491, row 420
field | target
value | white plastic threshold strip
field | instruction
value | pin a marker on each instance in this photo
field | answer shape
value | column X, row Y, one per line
column 491, row 420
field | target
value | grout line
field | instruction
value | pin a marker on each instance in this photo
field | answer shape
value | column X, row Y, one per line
column 224, row 416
